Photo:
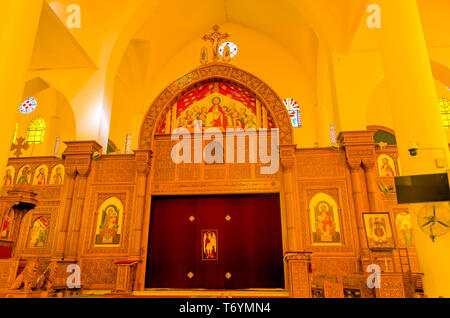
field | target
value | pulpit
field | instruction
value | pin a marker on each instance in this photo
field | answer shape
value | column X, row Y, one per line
column 391, row 286
column 299, row 270
column 125, row 274
column 13, row 207
column 333, row 290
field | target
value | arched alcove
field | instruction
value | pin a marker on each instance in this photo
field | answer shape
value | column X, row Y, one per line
column 163, row 103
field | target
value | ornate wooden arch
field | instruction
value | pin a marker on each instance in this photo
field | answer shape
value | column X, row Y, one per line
column 163, row 103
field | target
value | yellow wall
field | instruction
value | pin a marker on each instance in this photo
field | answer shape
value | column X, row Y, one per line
column 257, row 54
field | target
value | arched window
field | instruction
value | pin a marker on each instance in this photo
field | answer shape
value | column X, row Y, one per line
column 333, row 135
column 384, row 136
column 294, row 112
column 112, row 148
column 36, row 130
column 444, row 105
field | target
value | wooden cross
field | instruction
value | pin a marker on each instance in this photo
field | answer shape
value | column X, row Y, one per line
column 215, row 38
column 21, row 144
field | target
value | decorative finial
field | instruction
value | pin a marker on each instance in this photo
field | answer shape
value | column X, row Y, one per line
column 215, row 38
column 20, row 145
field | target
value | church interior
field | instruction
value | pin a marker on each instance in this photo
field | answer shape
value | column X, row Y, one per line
column 314, row 140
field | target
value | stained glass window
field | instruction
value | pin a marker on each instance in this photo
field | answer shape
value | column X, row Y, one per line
column 36, row 130
column 294, row 112
column 128, row 144
column 333, row 135
column 233, row 49
column 28, row 105
column 56, row 150
column 444, row 105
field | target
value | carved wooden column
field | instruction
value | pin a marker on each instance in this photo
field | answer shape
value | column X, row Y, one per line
column 78, row 157
column 141, row 213
column 69, row 186
column 72, row 248
column 298, row 267
column 359, row 147
column 287, row 156
column 371, row 181
column 359, row 199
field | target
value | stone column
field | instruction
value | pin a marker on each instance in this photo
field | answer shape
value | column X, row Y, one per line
column 19, row 22
column 141, row 213
column 416, row 119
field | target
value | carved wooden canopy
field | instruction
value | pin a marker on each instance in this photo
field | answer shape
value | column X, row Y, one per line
column 163, row 103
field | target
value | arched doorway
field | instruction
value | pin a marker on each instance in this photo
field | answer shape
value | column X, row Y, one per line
column 243, row 101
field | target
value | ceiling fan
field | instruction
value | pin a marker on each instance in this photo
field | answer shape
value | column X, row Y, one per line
column 434, row 220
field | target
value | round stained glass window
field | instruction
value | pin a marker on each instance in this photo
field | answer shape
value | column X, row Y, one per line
column 290, row 104
column 233, row 49
column 28, row 105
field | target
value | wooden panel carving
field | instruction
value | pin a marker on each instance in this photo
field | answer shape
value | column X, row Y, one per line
column 333, row 290
column 113, row 169
column 228, row 187
column 214, row 173
column 331, row 265
column 196, row 178
column 38, row 232
column 97, row 273
column 164, row 168
column 300, row 286
column 240, row 171
column 391, row 286
column 328, row 164
column 98, row 195
column 8, row 270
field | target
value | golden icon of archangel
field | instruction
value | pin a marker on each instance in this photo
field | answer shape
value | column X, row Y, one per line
column 209, row 245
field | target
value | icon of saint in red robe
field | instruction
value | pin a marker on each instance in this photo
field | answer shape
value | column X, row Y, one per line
column 386, row 169
column 325, row 224
column 378, row 229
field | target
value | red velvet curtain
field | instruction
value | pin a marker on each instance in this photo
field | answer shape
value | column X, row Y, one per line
column 249, row 243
